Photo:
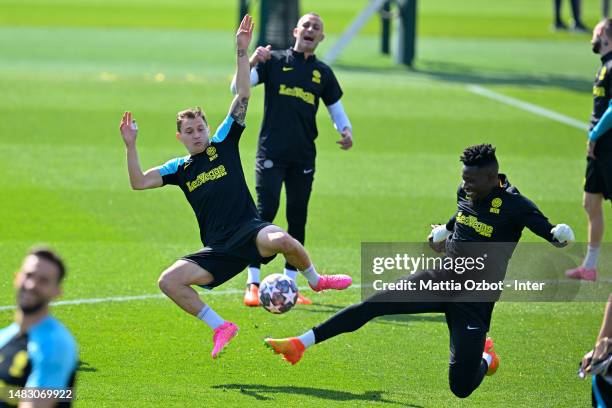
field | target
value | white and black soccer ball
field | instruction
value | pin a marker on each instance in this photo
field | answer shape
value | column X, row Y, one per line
column 277, row 293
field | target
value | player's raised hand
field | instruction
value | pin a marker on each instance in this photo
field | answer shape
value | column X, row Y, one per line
column 261, row 54
column 128, row 129
column 346, row 142
column 244, row 33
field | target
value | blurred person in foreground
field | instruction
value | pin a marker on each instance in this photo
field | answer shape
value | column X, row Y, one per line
column 597, row 362
column 37, row 351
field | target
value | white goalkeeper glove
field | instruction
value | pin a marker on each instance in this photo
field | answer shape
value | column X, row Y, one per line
column 439, row 233
column 563, row 233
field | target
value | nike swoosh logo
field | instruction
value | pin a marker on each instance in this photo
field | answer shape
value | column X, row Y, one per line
column 308, row 171
column 285, row 69
column 472, row 328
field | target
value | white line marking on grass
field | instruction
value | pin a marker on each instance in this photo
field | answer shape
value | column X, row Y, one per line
column 529, row 107
column 137, row 297
column 120, row 299
column 208, row 293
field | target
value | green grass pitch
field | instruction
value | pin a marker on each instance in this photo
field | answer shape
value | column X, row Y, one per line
column 68, row 70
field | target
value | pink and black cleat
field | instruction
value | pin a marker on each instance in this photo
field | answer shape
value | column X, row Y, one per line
column 582, row 273
column 337, row 282
column 223, row 334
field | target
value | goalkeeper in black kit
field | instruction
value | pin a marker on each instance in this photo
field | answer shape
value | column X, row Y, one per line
column 489, row 210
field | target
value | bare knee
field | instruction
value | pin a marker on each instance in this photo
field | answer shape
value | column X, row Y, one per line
column 593, row 205
column 287, row 244
column 169, row 279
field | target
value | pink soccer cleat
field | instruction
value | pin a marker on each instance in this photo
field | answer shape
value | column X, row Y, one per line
column 582, row 273
column 223, row 335
column 337, row 282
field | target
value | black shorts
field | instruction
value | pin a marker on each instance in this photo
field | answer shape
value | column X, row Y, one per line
column 598, row 179
column 225, row 262
column 601, row 392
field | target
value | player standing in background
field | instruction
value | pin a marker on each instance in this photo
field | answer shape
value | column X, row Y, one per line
column 576, row 12
column 295, row 80
column 212, row 179
column 37, row 351
column 598, row 180
column 482, row 190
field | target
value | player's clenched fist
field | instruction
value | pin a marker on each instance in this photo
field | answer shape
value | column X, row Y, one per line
column 261, row 54
column 346, row 141
column 128, row 129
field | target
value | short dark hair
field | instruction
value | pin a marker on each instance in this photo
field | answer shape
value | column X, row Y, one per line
column 482, row 155
column 190, row 113
column 51, row 256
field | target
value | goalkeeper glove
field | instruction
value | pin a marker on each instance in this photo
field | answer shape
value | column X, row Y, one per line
column 439, row 233
column 563, row 233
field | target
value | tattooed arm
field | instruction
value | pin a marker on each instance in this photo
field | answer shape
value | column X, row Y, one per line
column 239, row 105
column 238, row 109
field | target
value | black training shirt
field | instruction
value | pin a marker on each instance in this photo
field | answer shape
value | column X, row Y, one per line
column 213, row 182
column 602, row 91
column 293, row 87
column 500, row 217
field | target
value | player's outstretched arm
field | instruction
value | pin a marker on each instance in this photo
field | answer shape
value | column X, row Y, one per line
column 240, row 103
column 559, row 235
column 139, row 180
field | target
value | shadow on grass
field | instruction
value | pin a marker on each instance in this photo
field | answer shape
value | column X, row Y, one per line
column 401, row 319
column 471, row 75
column 262, row 393
column 85, row 367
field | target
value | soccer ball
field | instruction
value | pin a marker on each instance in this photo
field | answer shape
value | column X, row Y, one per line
column 277, row 293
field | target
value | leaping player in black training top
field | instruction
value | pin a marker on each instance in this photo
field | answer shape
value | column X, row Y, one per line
column 295, row 82
column 483, row 188
column 212, row 180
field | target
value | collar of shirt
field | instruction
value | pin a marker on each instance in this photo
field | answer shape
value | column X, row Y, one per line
column 300, row 55
column 606, row 57
column 495, row 192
